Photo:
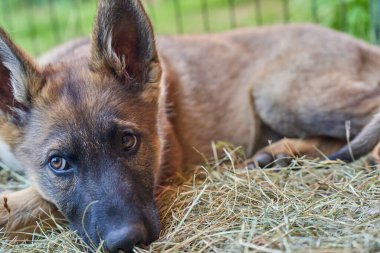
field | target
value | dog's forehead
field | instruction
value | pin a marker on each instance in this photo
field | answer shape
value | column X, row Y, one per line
column 77, row 102
column 80, row 98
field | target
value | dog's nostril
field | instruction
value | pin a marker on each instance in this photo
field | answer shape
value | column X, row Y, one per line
column 124, row 239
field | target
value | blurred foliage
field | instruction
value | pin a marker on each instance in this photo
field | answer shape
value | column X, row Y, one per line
column 40, row 24
column 353, row 18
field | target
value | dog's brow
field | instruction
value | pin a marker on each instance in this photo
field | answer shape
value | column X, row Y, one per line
column 126, row 124
column 55, row 137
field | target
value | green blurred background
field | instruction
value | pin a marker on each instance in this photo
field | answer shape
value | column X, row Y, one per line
column 37, row 25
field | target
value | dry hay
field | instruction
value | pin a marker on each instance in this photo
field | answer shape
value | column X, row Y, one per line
column 307, row 207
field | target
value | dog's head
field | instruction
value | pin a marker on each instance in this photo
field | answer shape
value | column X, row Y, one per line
column 90, row 138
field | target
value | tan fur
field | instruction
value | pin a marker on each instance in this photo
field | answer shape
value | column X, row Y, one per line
column 375, row 156
column 9, row 132
column 9, row 136
column 217, row 97
column 20, row 211
column 246, row 87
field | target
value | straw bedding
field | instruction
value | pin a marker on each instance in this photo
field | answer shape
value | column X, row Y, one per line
column 308, row 206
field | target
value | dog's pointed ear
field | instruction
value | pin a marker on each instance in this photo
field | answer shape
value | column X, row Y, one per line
column 123, row 42
column 19, row 77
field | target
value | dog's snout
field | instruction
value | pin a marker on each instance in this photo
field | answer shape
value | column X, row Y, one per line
column 126, row 238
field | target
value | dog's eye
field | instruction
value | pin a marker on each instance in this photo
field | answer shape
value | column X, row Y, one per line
column 58, row 164
column 129, row 141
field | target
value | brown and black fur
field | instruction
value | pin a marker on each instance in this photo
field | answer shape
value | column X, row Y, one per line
column 296, row 85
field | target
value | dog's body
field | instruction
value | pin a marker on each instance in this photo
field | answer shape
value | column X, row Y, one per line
column 244, row 87
column 255, row 85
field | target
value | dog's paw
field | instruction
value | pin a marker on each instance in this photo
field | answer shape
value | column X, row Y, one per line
column 14, row 215
column 374, row 157
column 268, row 160
column 21, row 210
column 5, row 210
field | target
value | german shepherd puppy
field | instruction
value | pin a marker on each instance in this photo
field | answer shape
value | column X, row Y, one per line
column 97, row 124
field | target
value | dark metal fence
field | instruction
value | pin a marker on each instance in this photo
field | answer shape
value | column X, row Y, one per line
column 374, row 8
column 39, row 24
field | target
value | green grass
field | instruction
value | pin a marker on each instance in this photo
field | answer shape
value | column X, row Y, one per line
column 37, row 25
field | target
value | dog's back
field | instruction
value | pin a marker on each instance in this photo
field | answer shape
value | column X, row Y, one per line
column 297, row 80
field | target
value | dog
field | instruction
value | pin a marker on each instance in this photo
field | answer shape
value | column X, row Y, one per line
column 97, row 124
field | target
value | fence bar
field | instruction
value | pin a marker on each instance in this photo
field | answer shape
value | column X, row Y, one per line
column 259, row 17
column 232, row 13
column 30, row 7
column 78, row 21
column 343, row 13
column 152, row 11
column 314, row 11
column 374, row 10
column 54, row 21
column 178, row 16
column 285, row 8
column 205, row 16
column 7, row 17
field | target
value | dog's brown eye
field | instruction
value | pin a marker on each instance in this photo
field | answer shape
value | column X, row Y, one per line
column 129, row 141
column 58, row 163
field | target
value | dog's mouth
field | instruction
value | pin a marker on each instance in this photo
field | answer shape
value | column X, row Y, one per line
column 118, row 231
column 120, row 240
column 115, row 243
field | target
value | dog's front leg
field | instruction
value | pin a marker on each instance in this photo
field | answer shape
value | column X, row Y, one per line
column 374, row 157
column 21, row 210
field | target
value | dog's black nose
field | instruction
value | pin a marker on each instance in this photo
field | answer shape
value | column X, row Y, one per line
column 126, row 238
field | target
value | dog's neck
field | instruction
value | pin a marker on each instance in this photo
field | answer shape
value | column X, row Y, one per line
column 171, row 159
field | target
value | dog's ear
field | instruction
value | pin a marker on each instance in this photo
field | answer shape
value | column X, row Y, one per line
column 19, row 77
column 123, row 42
